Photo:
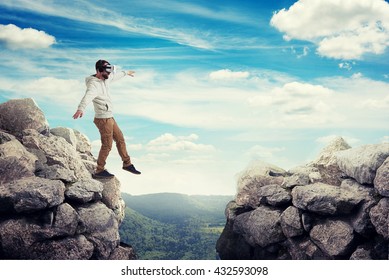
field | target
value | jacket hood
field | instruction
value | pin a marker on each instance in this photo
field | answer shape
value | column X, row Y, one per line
column 91, row 79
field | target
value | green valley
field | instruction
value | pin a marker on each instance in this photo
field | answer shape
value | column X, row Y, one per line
column 170, row 226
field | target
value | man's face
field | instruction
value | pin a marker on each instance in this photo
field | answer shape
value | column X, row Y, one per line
column 105, row 74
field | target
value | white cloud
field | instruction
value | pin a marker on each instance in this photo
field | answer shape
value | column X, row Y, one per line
column 295, row 101
column 65, row 92
column 346, row 65
column 341, row 29
column 171, row 143
column 194, row 101
column 377, row 103
column 14, row 37
column 267, row 154
column 227, row 74
column 86, row 12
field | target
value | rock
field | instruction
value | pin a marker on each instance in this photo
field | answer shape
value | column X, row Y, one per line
column 361, row 254
column 69, row 248
column 31, row 194
column 334, row 237
column 327, row 162
column 50, row 207
column 381, row 181
column 262, row 226
column 62, row 161
column 359, row 218
column 65, row 221
column 100, row 226
column 67, row 134
column 339, row 208
column 291, row 222
column 325, row 199
column 85, row 191
column 273, row 195
column 297, row 179
column 379, row 215
column 256, row 176
column 361, row 163
column 123, row 252
column 17, row 115
column 12, row 169
column 15, row 161
column 83, row 144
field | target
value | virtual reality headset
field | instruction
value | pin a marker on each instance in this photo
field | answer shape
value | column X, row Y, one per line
column 109, row 68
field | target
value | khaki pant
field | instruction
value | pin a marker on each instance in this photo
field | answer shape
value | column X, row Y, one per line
column 109, row 132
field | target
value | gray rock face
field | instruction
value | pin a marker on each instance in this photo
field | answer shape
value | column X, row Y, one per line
column 262, row 227
column 336, row 207
column 31, row 194
column 362, row 163
column 333, row 237
column 50, row 207
column 381, row 181
column 19, row 114
column 325, row 199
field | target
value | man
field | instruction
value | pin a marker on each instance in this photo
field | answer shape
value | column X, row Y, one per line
column 97, row 91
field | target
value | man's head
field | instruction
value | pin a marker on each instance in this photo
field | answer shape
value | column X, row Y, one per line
column 103, row 69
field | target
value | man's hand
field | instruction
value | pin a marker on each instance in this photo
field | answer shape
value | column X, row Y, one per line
column 130, row 73
column 78, row 114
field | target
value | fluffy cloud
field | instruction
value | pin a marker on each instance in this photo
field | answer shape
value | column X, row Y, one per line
column 67, row 92
column 227, row 74
column 267, row 154
column 296, row 101
column 341, row 29
column 14, row 37
column 171, row 143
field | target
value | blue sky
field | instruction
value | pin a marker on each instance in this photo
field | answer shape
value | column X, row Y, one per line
column 218, row 84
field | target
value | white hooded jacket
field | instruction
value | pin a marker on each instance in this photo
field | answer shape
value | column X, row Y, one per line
column 98, row 91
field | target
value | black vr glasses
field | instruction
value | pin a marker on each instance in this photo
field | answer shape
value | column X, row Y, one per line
column 103, row 65
column 107, row 68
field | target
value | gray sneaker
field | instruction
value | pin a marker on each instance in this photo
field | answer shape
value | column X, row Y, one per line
column 103, row 175
column 131, row 168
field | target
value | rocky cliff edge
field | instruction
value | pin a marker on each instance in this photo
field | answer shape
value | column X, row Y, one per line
column 335, row 207
column 50, row 207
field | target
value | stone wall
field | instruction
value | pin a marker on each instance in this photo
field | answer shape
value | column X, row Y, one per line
column 335, row 207
column 50, row 207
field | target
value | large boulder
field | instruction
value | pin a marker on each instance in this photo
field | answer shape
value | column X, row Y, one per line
column 31, row 194
column 326, row 199
column 361, row 163
column 59, row 160
column 334, row 237
column 381, row 181
column 17, row 115
column 327, row 163
column 258, row 175
column 260, row 227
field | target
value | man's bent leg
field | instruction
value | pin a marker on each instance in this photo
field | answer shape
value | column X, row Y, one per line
column 105, row 127
column 121, row 144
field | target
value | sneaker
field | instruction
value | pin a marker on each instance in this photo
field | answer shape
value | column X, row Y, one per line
column 102, row 175
column 131, row 168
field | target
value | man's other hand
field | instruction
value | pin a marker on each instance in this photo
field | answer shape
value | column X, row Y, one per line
column 78, row 114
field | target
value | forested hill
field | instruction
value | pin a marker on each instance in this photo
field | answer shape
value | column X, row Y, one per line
column 173, row 226
column 174, row 207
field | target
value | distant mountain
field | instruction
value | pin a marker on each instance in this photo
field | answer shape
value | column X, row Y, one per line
column 174, row 207
column 170, row 226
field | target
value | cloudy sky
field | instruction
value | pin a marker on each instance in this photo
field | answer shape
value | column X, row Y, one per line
column 218, row 85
